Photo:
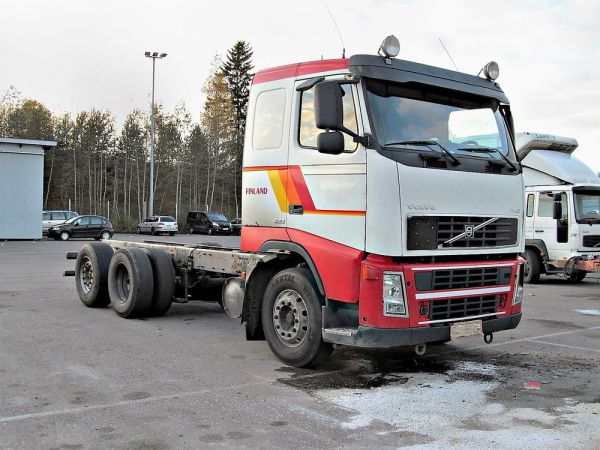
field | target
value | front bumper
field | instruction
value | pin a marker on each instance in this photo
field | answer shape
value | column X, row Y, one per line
column 398, row 337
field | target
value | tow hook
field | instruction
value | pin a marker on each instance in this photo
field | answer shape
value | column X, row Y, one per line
column 420, row 349
column 488, row 338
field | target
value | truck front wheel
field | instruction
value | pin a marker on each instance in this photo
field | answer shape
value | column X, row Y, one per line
column 576, row 276
column 291, row 317
column 532, row 267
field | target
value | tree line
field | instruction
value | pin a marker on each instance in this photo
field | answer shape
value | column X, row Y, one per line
column 97, row 168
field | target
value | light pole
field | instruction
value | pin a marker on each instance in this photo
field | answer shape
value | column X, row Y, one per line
column 154, row 56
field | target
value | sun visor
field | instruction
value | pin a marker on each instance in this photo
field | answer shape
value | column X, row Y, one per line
column 401, row 71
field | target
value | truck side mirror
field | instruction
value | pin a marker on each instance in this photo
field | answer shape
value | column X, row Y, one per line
column 329, row 111
column 557, row 211
column 330, row 142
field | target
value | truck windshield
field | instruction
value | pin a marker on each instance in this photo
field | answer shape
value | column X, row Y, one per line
column 465, row 125
column 587, row 206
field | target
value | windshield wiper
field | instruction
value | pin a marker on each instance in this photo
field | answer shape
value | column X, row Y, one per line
column 490, row 150
column 426, row 144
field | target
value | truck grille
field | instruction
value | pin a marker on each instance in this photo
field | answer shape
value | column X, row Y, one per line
column 462, row 278
column 430, row 232
column 456, row 308
column 592, row 240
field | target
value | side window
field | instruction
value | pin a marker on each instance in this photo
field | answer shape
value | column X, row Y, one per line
column 59, row 215
column 45, row 216
column 307, row 135
column 530, row 205
column 269, row 115
column 84, row 221
column 95, row 220
column 546, row 205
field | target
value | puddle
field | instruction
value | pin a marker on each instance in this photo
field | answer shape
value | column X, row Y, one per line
column 363, row 369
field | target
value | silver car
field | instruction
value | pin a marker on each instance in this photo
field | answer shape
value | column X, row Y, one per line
column 51, row 218
column 158, row 224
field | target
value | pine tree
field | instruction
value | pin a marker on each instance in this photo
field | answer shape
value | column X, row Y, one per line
column 237, row 72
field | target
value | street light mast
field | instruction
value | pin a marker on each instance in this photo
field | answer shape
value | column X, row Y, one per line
column 154, row 56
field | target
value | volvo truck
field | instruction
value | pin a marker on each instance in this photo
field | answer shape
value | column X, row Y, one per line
column 382, row 206
column 562, row 218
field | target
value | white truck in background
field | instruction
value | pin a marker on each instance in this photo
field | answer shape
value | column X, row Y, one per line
column 562, row 215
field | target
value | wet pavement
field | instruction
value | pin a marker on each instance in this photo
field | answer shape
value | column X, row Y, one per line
column 73, row 377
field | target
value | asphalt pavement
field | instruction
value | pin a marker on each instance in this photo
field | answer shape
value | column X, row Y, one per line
column 73, row 377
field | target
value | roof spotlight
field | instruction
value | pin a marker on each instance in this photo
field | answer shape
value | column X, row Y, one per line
column 491, row 70
column 390, row 47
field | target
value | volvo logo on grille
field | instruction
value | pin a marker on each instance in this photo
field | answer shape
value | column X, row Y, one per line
column 469, row 231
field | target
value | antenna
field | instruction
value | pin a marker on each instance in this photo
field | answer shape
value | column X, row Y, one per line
column 448, row 53
column 337, row 28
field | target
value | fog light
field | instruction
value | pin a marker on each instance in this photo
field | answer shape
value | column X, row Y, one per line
column 423, row 309
column 394, row 299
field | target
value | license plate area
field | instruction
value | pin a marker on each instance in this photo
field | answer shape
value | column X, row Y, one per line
column 466, row 329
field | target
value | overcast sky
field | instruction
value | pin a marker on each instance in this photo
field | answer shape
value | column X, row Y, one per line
column 78, row 54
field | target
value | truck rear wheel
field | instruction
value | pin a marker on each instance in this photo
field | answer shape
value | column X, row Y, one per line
column 164, row 281
column 91, row 274
column 130, row 282
column 532, row 267
column 291, row 318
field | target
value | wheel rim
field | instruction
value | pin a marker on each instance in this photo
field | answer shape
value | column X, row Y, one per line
column 86, row 275
column 64, row 236
column 105, row 235
column 290, row 318
column 526, row 268
column 122, row 283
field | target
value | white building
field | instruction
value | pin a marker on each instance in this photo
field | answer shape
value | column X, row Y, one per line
column 22, row 187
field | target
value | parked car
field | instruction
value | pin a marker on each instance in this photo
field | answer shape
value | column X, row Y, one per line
column 236, row 226
column 158, row 224
column 51, row 218
column 211, row 222
column 96, row 227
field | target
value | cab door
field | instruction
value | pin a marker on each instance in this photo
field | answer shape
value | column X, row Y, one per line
column 554, row 232
column 326, row 194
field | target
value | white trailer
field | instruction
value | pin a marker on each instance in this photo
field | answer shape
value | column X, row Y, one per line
column 562, row 216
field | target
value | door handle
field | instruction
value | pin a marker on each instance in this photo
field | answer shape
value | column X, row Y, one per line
column 539, row 231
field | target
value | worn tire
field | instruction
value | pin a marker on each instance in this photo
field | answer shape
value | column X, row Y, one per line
column 164, row 281
column 577, row 276
column 293, row 291
column 93, row 258
column 532, row 268
column 130, row 282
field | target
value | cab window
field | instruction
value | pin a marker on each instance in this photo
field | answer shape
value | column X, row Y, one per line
column 308, row 131
column 546, row 205
column 530, row 205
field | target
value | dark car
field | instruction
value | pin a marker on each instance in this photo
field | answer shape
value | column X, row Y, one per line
column 236, row 226
column 96, row 227
column 208, row 222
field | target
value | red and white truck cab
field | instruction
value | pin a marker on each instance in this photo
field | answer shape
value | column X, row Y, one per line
column 395, row 186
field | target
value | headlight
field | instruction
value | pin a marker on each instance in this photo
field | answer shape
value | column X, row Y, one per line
column 518, row 297
column 394, row 298
column 215, row 224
